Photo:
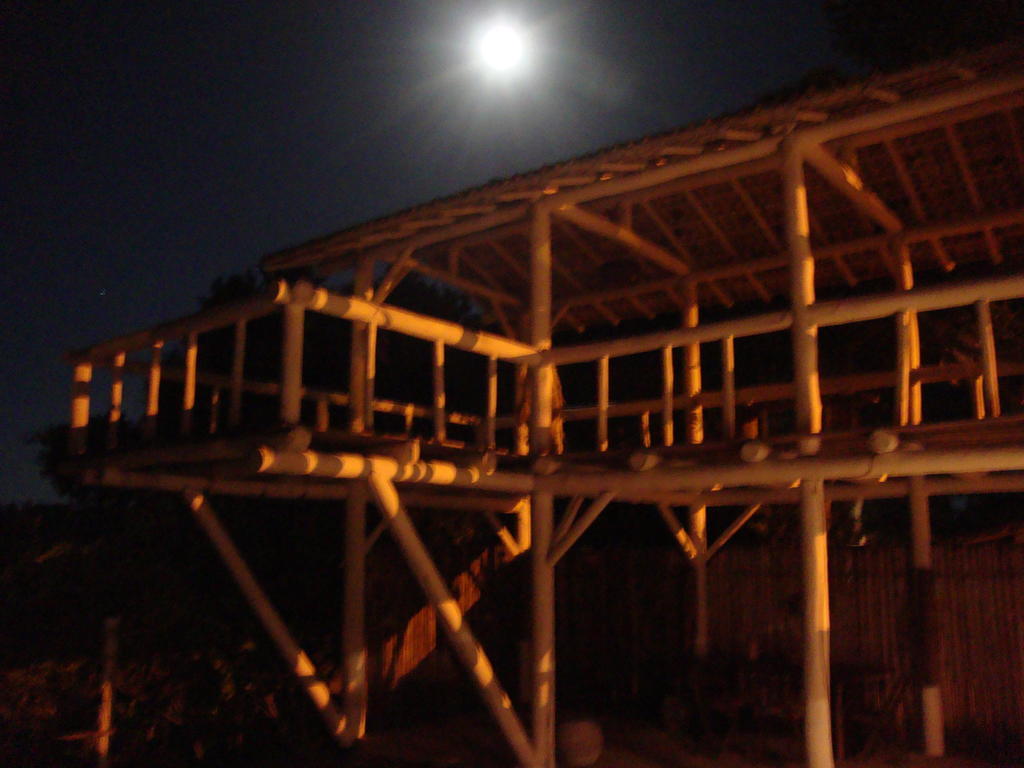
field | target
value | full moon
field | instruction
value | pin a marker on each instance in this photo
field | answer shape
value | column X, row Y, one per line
column 502, row 47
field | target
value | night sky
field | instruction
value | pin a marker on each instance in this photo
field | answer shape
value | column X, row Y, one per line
column 148, row 147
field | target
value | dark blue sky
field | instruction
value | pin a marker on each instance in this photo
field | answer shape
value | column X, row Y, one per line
column 148, row 147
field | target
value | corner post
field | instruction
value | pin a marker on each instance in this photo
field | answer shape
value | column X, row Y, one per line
column 359, row 355
column 353, row 633
column 818, row 720
column 542, row 572
column 925, row 621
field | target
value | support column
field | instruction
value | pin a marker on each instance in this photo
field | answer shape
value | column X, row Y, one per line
column 695, row 436
column 358, row 356
column 542, row 572
column 925, row 621
column 291, row 363
column 818, row 720
column 353, row 635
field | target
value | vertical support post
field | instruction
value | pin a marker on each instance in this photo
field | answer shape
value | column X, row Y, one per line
column 695, row 411
column 353, row 633
column 188, row 395
column 291, row 363
column 492, row 403
column 728, row 388
column 908, row 347
column 237, row 374
column 602, row 403
column 978, row 396
column 296, row 659
column 214, row 410
column 106, row 717
column 440, row 417
column 153, row 392
column 989, row 366
column 363, row 288
column 818, row 720
column 371, row 374
column 668, row 384
column 467, row 649
column 699, row 537
column 925, row 621
column 542, row 572
column 116, row 399
column 78, row 434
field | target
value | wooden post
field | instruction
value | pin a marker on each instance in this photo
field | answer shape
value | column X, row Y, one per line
column 694, row 412
column 908, row 347
column 296, row 659
column 978, row 396
column 353, row 634
column 188, row 395
column 542, row 572
column 440, row 418
column 106, row 717
column 237, row 374
column 153, row 392
column 358, row 360
column 818, row 720
column 214, row 410
column 116, row 399
column 926, row 621
column 467, row 649
column 491, row 412
column 989, row 366
column 699, row 537
column 602, row 403
column 291, row 363
column 78, row 433
column 371, row 374
column 667, row 397
column 728, row 388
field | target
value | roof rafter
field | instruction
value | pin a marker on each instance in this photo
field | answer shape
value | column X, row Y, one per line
column 964, row 166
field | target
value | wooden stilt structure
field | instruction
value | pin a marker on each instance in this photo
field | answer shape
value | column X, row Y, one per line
column 643, row 230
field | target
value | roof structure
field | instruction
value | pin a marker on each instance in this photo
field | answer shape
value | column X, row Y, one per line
column 626, row 249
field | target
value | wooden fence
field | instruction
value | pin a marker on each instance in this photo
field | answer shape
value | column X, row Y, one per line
column 625, row 628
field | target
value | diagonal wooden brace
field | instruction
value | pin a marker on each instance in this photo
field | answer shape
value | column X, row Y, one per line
column 292, row 654
column 467, row 649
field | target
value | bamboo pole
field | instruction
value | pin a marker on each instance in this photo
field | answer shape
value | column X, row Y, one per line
column 989, row 372
column 667, row 397
column 562, row 545
column 351, row 466
column 818, row 711
column 732, row 530
column 371, row 375
column 188, row 396
column 542, row 572
column 818, row 717
column 926, row 621
column 602, row 403
column 699, row 535
column 358, row 351
column 291, row 362
column 152, row 392
column 467, row 649
column 237, row 374
column 293, row 655
column 678, row 531
column 353, row 634
column 414, row 324
column 116, row 399
column 440, row 422
column 728, row 388
column 908, row 347
column 214, row 410
column 978, row 396
column 105, row 724
column 492, row 403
